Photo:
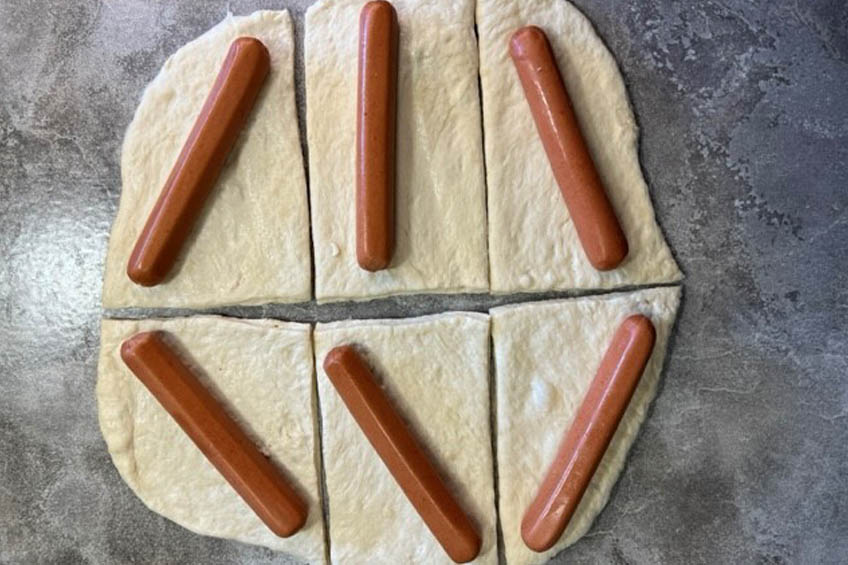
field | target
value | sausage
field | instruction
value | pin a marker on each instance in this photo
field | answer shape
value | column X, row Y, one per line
column 594, row 219
column 589, row 435
column 375, row 135
column 218, row 436
column 401, row 453
column 200, row 162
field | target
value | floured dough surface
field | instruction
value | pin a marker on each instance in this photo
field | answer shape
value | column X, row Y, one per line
column 532, row 242
column 440, row 190
column 251, row 245
column 436, row 370
column 262, row 370
column 546, row 356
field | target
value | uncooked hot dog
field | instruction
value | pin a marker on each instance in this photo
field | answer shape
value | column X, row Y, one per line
column 401, row 453
column 594, row 219
column 217, row 435
column 589, row 435
column 200, row 162
column 375, row 135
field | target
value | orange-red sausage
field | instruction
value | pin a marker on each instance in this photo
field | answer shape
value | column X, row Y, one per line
column 401, row 453
column 200, row 162
column 375, row 135
column 589, row 435
column 218, row 436
column 594, row 219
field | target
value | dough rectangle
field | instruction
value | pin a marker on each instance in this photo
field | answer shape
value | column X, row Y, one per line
column 436, row 370
column 262, row 370
column 251, row 243
column 440, row 191
column 533, row 245
column 546, row 355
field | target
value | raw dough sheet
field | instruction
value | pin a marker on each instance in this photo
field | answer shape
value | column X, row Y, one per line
column 251, row 245
column 546, row 355
column 436, row 370
column 440, row 194
column 532, row 243
column 263, row 372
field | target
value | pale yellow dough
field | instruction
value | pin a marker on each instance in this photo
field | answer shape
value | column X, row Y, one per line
column 441, row 195
column 251, row 245
column 532, row 242
column 436, row 371
column 262, row 370
column 546, row 355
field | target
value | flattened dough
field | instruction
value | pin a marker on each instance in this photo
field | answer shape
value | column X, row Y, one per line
column 263, row 370
column 532, row 243
column 546, row 355
column 436, row 369
column 440, row 203
column 251, row 245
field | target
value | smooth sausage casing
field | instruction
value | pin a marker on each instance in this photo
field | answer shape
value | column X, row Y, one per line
column 253, row 476
column 200, row 162
column 597, row 227
column 375, row 135
column 586, row 441
column 402, row 454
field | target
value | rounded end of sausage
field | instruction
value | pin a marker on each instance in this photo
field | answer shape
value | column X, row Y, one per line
column 252, row 47
column 146, row 267
column 610, row 256
column 536, row 542
column 538, row 531
column 338, row 356
column 374, row 261
column 642, row 326
column 131, row 347
column 144, row 275
column 375, row 7
column 291, row 523
column 526, row 39
column 465, row 548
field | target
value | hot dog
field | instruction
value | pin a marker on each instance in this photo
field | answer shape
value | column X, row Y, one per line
column 375, row 135
column 594, row 219
column 587, row 439
column 401, row 453
column 193, row 176
column 218, row 436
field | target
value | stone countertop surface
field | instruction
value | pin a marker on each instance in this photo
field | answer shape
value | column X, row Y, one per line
column 743, row 111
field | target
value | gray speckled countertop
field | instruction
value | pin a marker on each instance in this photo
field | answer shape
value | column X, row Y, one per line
column 743, row 111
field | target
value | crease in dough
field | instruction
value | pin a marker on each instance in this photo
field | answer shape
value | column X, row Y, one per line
column 546, row 355
column 440, row 188
column 436, row 369
column 251, row 243
column 533, row 245
column 237, row 359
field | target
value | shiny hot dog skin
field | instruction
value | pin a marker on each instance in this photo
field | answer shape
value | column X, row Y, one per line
column 200, row 162
column 253, row 476
column 597, row 227
column 401, row 452
column 375, row 135
column 586, row 441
